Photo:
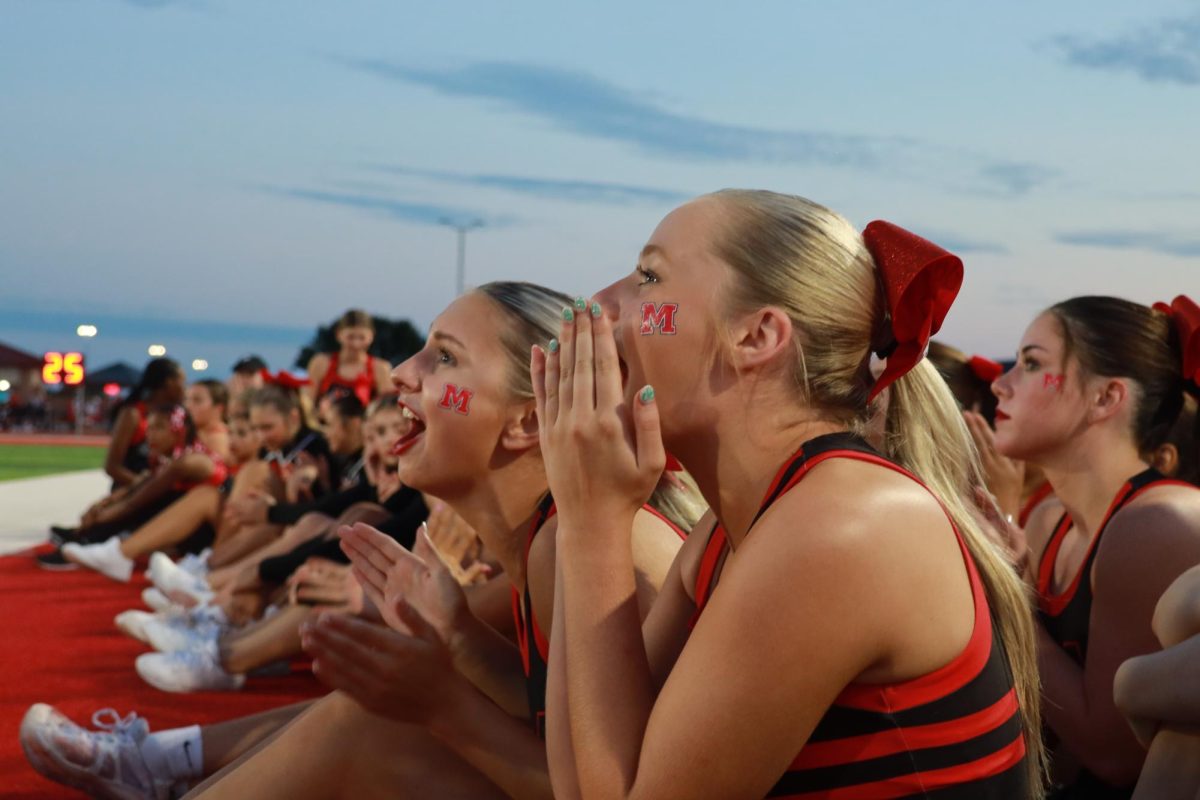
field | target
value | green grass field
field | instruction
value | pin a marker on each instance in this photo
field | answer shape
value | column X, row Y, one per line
column 31, row 460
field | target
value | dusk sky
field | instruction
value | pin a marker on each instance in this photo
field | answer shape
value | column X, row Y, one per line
column 222, row 176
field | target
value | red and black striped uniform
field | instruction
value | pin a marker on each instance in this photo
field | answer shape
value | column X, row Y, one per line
column 953, row 733
column 533, row 659
column 1067, row 615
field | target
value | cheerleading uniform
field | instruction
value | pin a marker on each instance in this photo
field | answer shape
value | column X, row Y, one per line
column 361, row 385
column 1066, row 615
column 532, row 641
column 955, row 732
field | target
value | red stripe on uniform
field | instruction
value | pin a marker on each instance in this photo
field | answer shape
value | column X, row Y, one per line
column 981, row 768
column 899, row 740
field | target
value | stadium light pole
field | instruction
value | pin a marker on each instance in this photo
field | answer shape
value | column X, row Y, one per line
column 85, row 332
column 461, row 228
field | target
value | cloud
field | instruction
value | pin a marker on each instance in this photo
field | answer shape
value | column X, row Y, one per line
column 423, row 213
column 585, row 105
column 572, row 191
column 1154, row 241
column 959, row 245
column 1165, row 52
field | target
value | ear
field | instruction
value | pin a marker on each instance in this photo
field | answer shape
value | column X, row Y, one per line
column 1165, row 459
column 1108, row 397
column 760, row 338
column 521, row 429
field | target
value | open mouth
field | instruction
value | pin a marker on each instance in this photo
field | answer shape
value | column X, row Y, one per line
column 415, row 427
column 1001, row 416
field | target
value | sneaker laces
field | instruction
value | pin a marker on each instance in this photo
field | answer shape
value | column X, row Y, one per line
column 109, row 720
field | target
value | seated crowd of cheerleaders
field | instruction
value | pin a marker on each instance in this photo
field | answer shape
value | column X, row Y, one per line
column 722, row 530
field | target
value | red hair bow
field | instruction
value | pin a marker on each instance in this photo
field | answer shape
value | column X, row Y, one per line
column 920, row 281
column 177, row 422
column 284, row 378
column 985, row 369
column 1184, row 312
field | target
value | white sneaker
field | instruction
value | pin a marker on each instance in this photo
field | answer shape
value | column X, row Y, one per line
column 106, row 558
column 177, row 584
column 106, row 763
column 187, row 671
column 196, row 563
column 133, row 623
column 156, row 600
column 166, row 634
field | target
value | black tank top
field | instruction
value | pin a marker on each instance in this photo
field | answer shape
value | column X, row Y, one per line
column 1067, row 616
column 953, row 733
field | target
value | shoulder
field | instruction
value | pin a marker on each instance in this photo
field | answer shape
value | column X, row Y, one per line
column 319, row 363
column 845, row 503
column 1160, row 525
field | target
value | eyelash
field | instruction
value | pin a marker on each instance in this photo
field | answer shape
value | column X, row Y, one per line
column 444, row 357
column 647, row 276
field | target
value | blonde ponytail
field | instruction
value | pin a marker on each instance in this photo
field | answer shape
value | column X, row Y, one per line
column 925, row 433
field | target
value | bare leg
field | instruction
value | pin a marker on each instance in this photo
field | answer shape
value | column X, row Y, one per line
column 242, row 543
column 226, row 742
column 254, row 477
column 307, row 527
column 174, row 523
column 337, row 749
column 1172, row 768
column 264, row 642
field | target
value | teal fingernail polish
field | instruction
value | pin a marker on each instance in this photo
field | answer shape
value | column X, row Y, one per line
column 596, row 310
column 647, row 394
column 580, row 303
column 568, row 314
column 553, row 345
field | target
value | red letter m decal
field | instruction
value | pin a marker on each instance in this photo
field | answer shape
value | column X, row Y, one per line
column 455, row 398
column 658, row 316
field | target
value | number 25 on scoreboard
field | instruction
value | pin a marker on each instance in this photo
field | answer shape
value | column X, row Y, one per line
column 63, row 368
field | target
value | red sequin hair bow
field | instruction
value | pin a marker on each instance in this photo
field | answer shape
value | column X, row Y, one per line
column 283, row 378
column 920, row 281
column 985, row 369
column 1185, row 315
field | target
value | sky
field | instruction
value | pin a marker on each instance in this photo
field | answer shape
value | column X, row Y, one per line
column 220, row 177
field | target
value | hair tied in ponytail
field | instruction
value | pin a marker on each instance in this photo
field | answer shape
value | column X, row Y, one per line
column 985, row 369
column 1185, row 315
column 283, row 379
column 920, row 281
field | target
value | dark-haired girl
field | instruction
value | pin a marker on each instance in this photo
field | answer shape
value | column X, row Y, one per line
column 184, row 462
column 1098, row 382
column 207, row 403
column 162, row 383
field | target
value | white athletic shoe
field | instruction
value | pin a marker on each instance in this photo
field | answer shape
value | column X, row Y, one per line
column 105, row 558
column 196, row 563
column 168, row 634
column 156, row 600
column 177, row 584
column 133, row 623
column 106, row 763
column 187, row 671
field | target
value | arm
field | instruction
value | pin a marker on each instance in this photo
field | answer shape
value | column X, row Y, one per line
column 1161, row 687
column 192, row 468
column 1128, row 578
column 318, row 366
column 363, row 660
column 383, row 375
column 118, row 448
